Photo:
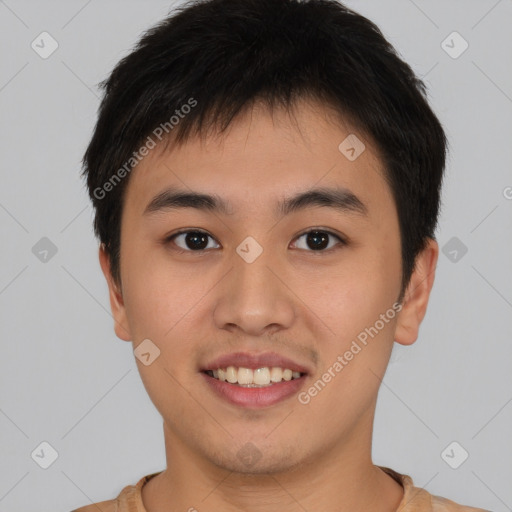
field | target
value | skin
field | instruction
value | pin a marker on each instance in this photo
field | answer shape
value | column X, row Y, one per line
column 308, row 305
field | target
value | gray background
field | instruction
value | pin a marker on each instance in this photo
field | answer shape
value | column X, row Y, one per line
column 67, row 380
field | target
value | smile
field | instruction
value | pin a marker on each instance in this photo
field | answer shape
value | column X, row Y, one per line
column 255, row 390
column 259, row 377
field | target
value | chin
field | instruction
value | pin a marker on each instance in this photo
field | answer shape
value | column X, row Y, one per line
column 250, row 460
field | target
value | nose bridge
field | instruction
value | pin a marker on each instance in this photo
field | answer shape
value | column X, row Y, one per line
column 253, row 297
column 252, row 269
column 252, row 278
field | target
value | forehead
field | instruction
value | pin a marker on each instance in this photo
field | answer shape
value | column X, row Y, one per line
column 264, row 157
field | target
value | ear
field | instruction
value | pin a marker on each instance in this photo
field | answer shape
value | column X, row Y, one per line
column 116, row 298
column 414, row 305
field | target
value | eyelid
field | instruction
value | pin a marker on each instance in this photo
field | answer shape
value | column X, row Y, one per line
column 170, row 238
column 343, row 240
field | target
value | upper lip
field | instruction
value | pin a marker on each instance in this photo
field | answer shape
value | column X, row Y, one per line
column 253, row 361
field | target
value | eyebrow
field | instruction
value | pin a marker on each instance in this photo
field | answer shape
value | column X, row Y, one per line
column 340, row 199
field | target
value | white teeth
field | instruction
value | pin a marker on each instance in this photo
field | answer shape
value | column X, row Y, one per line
column 231, row 374
column 259, row 377
column 245, row 376
column 276, row 374
column 262, row 376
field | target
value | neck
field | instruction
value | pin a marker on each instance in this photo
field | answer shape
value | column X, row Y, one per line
column 343, row 478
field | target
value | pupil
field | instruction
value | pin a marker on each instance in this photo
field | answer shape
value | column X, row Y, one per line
column 318, row 239
column 196, row 240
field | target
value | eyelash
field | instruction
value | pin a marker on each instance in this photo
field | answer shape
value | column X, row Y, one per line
column 179, row 250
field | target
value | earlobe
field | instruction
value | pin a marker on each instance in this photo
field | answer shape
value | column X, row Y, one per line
column 116, row 298
column 416, row 297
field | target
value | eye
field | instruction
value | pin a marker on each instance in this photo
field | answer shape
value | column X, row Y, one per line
column 318, row 240
column 191, row 241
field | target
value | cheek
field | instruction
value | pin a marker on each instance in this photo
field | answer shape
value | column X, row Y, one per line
column 163, row 305
column 357, row 350
column 354, row 294
column 158, row 295
column 356, row 302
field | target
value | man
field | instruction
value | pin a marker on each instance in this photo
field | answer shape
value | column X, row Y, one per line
column 266, row 178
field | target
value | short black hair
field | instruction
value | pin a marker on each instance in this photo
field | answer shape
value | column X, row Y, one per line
column 219, row 57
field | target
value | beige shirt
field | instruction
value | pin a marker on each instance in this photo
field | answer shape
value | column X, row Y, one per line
column 415, row 499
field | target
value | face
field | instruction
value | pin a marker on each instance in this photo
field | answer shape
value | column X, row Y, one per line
column 265, row 278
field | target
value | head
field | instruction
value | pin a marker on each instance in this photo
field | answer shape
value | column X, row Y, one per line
column 252, row 103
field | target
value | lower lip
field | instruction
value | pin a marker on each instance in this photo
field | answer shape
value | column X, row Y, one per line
column 255, row 397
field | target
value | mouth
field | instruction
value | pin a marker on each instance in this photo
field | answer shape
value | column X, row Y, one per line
column 254, row 381
column 254, row 378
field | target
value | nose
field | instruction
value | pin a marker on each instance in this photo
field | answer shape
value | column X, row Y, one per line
column 254, row 297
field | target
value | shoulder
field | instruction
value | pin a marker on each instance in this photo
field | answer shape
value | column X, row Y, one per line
column 440, row 504
column 417, row 499
column 432, row 503
column 103, row 506
column 128, row 500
